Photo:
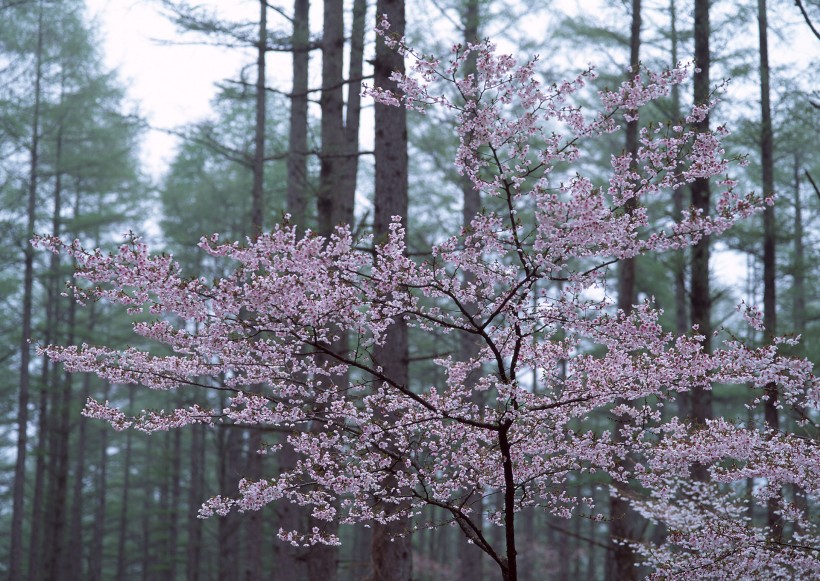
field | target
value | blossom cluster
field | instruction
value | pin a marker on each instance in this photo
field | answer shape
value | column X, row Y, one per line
column 527, row 280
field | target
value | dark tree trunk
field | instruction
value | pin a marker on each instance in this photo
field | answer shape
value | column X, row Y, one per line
column 159, row 547
column 799, row 286
column 122, row 530
column 290, row 560
column 76, row 535
column 353, row 112
column 252, row 561
column 59, row 427
column 681, row 311
column 148, row 509
column 95, row 568
column 701, row 300
column 329, row 203
column 229, row 453
column 509, row 569
column 257, row 201
column 298, row 143
column 44, row 437
column 173, row 512
column 391, row 560
column 18, row 495
column 290, row 563
column 769, row 261
column 469, row 554
column 623, row 519
column 195, row 495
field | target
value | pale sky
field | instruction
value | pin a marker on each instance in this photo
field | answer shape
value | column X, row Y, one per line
column 169, row 85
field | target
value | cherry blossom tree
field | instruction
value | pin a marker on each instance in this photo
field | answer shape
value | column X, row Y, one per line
column 373, row 449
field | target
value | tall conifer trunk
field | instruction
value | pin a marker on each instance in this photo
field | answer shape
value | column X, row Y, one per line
column 469, row 554
column 290, row 560
column 681, row 311
column 701, row 300
column 622, row 524
column 769, row 259
column 297, row 168
column 391, row 556
column 18, row 495
column 257, row 196
column 95, row 568
column 252, row 561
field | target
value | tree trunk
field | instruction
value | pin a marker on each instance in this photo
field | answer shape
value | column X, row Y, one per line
column 391, row 559
column 228, row 541
column 195, row 496
column 257, row 201
column 122, row 530
column 44, row 438
column 469, row 554
column 623, row 519
column 298, row 143
column 16, row 544
column 95, row 568
column 799, row 286
column 769, row 261
column 347, row 184
column 59, row 432
column 252, row 561
column 329, row 206
column 290, row 562
column 76, row 535
column 681, row 311
column 173, row 513
column 148, row 509
column 701, row 300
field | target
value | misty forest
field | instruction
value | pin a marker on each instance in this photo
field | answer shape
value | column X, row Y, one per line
column 437, row 290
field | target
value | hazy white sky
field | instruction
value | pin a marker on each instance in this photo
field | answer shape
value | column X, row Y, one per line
column 171, row 85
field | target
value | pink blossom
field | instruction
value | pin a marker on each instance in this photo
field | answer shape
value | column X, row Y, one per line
column 265, row 333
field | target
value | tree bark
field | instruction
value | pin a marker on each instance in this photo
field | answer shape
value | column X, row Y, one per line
column 290, row 562
column 297, row 167
column 799, row 286
column 257, row 201
column 95, row 567
column 623, row 519
column 681, row 311
column 76, row 530
column 701, row 300
column 148, row 509
column 59, row 429
column 37, row 548
column 229, row 449
column 173, row 512
column 195, row 494
column 122, row 530
column 18, row 495
column 469, row 554
column 348, row 179
column 329, row 203
column 769, row 259
column 252, row 562
column 391, row 550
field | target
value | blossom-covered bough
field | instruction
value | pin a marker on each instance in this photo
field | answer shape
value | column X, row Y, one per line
column 535, row 299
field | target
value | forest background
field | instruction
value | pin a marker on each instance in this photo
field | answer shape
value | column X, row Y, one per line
column 78, row 160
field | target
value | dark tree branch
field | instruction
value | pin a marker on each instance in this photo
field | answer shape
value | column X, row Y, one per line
column 813, row 183
column 301, row 93
column 799, row 4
